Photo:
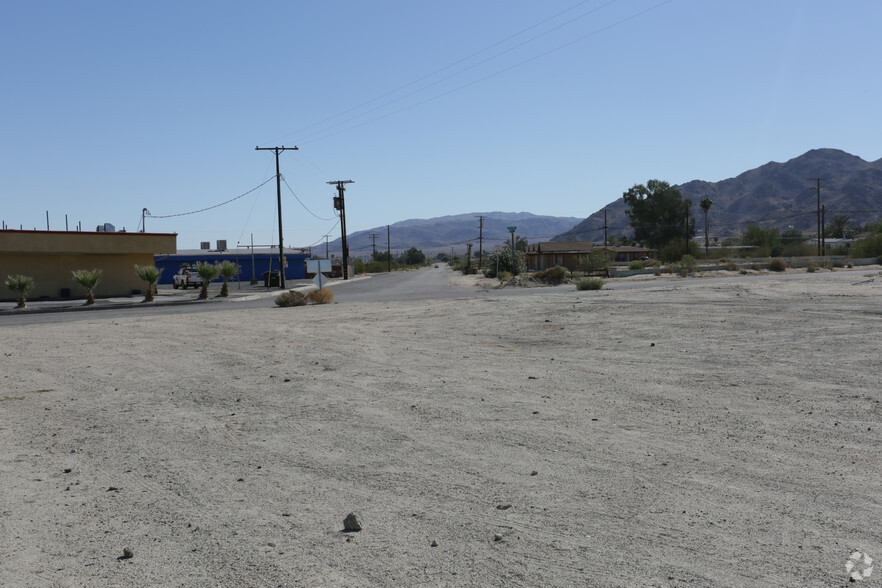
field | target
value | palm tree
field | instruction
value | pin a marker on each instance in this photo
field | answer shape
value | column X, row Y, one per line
column 149, row 274
column 705, row 206
column 21, row 285
column 837, row 227
column 208, row 272
column 88, row 279
column 227, row 270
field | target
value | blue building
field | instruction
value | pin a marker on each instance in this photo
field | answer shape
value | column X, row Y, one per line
column 252, row 265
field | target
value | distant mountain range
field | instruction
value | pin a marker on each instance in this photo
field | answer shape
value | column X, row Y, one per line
column 441, row 234
column 779, row 195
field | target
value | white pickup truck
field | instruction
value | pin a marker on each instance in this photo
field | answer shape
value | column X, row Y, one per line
column 185, row 277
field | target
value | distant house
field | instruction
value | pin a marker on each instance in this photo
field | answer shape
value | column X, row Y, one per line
column 50, row 256
column 571, row 254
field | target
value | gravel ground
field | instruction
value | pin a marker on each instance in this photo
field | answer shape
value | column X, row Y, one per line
column 686, row 433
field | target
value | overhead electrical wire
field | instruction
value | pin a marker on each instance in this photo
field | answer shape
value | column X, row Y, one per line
column 208, row 207
column 324, row 134
column 301, row 202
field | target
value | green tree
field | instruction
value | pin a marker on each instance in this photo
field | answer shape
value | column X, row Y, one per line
column 381, row 256
column 227, row 269
column 706, row 204
column 150, row 275
column 766, row 242
column 521, row 243
column 88, row 279
column 208, row 272
column 659, row 214
column 501, row 260
column 21, row 285
column 598, row 260
column 413, row 256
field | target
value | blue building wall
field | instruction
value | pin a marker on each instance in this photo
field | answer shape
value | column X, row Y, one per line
column 263, row 262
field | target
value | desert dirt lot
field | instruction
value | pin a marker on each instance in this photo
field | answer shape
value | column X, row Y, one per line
column 688, row 433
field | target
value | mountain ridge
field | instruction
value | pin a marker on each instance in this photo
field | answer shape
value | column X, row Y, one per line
column 775, row 194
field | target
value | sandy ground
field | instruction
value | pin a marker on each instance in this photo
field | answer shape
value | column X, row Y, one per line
column 685, row 434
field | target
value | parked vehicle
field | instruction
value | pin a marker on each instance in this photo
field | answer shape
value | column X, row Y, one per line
column 186, row 277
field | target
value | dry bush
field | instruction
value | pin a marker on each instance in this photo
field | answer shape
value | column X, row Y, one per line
column 732, row 266
column 322, row 296
column 291, row 298
column 777, row 265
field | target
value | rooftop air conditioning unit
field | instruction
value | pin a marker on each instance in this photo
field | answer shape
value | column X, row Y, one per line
column 205, row 245
column 221, row 245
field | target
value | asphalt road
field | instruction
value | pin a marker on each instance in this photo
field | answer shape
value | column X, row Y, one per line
column 425, row 284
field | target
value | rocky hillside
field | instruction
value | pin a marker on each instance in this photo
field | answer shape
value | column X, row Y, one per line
column 780, row 195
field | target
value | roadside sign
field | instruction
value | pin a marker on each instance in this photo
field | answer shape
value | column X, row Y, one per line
column 320, row 280
column 317, row 266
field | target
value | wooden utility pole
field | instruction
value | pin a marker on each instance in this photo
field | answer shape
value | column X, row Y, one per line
column 604, row 227
column 481, row 241
column 340, row 204
column 819, row 180
column 388, row 250
column 373, row 237
column 279, row 197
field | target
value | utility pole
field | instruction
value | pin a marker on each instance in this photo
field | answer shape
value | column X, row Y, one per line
column 388, row 250
column 824, row 229
column 373, row 237
column 279, row 196
column 481, row 241
column 144, row 212
column 327, row 254
column 604, row 227
column 513, row 264
column 819, row 180
column 340, row 204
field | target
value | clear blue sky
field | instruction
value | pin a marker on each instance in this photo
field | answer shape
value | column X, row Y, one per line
column 431, row 108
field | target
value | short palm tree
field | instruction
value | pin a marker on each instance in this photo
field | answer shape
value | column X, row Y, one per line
column 21, row 285
column 227, row 270
column 208, row 272
column 88, row 279
column 149, row 274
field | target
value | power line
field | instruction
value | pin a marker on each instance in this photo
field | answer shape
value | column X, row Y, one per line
column 210, row 207
column 302, row 204
column 324, row 134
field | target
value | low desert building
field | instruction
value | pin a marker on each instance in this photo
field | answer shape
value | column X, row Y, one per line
column 49, row 257
column 571, row 254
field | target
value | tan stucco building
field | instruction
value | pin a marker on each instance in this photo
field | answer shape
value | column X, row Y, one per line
column 50, row 256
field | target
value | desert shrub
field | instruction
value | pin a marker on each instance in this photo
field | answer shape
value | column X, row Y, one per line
column 554, row 275
column 742, row 271
column 589, row 284
column 290, row 298
column 732, row 266
column 636, row 265
column 777, row 264
column 838, row 263
column 827, row 264
column 849, row 265
column 688, row 263
column 812, row 267
column 755, row 267
column 320, row 296
column 504, row 276
column 723, row 260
